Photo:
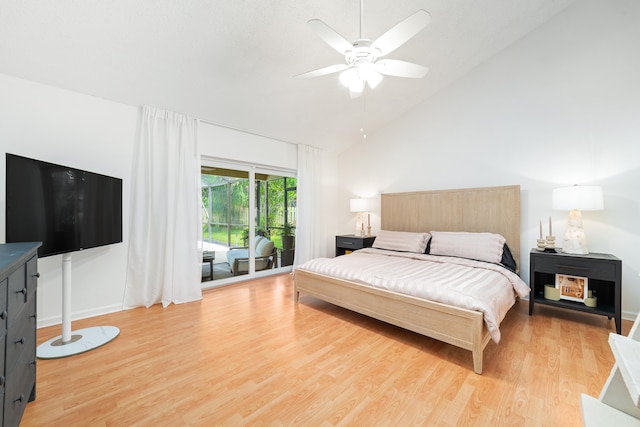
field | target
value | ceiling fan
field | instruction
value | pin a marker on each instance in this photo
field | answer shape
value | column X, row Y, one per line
column 362, row 63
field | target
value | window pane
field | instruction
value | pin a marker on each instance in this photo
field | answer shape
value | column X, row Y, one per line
column 225, row 203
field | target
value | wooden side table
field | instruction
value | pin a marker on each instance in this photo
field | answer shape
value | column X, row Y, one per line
column 604, row 274
column 209, row 257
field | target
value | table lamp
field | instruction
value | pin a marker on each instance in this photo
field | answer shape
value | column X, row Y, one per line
column 575, row 199
column 361, row 206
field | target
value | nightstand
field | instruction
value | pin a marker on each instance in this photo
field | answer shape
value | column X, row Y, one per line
column 350, row 242
column 604, row 274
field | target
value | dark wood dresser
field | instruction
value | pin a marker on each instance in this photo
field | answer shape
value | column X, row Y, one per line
column 18, row 280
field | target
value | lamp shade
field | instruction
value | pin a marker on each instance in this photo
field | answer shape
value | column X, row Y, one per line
column 584, row 198
column 359, row 205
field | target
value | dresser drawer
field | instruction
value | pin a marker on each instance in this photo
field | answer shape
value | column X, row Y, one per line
column 22, row 335
column 3, row 306
column 18, row 339
column 18, row 390
column 3, row 374
column 17, row 293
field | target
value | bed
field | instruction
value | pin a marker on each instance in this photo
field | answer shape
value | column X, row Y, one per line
column 493, row 210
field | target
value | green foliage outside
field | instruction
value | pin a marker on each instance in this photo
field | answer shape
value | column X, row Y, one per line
column 225, row 202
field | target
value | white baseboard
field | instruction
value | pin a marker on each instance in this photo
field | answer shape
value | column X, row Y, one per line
column 629, row 315
column 57, row 320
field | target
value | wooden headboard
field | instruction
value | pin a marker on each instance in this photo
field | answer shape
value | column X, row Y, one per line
column 487, row 209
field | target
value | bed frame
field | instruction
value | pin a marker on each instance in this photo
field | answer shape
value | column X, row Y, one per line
column 490, row 209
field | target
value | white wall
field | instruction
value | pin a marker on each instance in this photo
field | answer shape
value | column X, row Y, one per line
column 559, row 107
column 75, row 130
column 72, row 129
column 229, row 144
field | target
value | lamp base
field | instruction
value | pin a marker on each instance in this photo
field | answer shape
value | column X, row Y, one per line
column 575, row 241
column 360, row 226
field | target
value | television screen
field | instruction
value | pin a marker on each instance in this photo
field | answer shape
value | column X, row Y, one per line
column 66, row 209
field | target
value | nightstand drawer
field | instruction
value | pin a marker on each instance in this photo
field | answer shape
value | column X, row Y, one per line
column 349, row 242
column 577, row 267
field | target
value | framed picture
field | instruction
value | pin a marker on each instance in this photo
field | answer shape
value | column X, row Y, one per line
column 574, row 288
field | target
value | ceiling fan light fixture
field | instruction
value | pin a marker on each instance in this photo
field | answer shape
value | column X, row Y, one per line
column 354, row 78
column 357, row 86
column 373, row 79
column 348, row 77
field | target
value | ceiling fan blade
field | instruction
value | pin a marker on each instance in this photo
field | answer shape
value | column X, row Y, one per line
column 402, row 32
column 323, row 71
column 330, row 36
column 397, row 68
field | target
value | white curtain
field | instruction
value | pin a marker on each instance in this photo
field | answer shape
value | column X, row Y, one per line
column 165, row 254
column 308, row 227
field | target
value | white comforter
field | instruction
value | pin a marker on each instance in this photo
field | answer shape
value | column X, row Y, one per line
column 473, row 285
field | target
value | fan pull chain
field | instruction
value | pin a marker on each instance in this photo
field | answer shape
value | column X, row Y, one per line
column 364, row 112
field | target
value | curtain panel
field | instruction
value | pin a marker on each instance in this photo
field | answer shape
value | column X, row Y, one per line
column 165, row 252
column 309, row 225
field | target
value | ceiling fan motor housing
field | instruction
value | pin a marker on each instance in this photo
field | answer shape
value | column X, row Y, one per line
column 362, row 51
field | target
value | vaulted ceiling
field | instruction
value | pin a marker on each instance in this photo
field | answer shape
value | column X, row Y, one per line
column 232, row 62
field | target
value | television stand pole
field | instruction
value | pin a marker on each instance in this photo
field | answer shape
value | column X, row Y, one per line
column 80, row 341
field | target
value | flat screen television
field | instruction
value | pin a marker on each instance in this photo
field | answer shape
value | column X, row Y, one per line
column 67, row 209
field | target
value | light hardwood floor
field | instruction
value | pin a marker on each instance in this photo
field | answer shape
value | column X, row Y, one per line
column 248, row 355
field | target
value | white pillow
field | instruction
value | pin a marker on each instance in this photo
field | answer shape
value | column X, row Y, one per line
column 258, row 240
column 479, row 246
column 402, row 241
column 264, row 247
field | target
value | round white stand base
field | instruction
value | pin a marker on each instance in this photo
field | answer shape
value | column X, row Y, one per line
column 81, row 341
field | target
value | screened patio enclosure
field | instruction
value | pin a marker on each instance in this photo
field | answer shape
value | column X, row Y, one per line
column 226, row 214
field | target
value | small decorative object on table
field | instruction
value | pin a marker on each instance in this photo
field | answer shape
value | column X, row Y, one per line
column 573, row 288
column 544, row 244
column 551, row 292
column 550, row 244
column 551, row 239
column 591, row 300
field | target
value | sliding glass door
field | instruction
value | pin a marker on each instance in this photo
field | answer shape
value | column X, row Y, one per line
column 249, row 217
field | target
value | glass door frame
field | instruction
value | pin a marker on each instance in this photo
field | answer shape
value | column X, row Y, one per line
column 252, row 170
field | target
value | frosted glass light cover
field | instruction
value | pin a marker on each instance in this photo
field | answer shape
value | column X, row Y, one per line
column 349, row 77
